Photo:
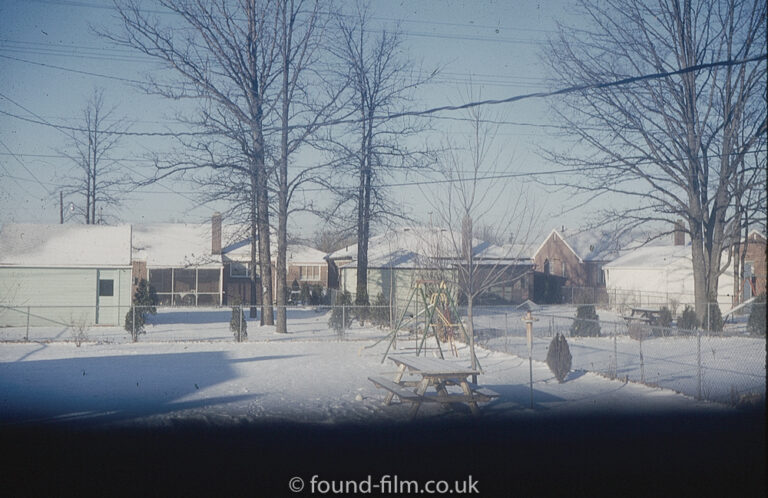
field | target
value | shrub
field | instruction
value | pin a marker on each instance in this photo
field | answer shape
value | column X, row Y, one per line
column 559, row 357
column 639, row 330
column 361, row 310
column 341, row 318
column 315, row 294
column 715, row 318
column 586, row 323
column 665, row 321
column 238, row 324
column 306, row 294
column 756, row 323
column 380, row 311
column 144, row 301
column 688, row 320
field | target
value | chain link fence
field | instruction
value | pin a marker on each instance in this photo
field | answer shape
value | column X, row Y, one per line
column 727, row 366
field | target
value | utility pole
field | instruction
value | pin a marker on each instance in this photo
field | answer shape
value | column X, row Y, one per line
column 61, row 207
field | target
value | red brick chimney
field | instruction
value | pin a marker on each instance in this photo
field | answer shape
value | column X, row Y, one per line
column 679, row 233
column 216, row 233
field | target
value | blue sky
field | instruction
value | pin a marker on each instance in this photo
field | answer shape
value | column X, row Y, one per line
column 47, row 49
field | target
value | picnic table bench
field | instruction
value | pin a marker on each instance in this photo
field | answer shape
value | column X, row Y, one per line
column 438, row 374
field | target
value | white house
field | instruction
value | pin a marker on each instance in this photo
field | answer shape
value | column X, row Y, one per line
column 658, row 276
column 399, row 258
column 64, row 274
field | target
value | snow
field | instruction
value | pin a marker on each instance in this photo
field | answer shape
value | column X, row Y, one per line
column 28, row 244
column 419, row 247
column 174, row 245
column 306, row 376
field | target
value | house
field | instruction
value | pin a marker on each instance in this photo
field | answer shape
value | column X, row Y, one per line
column 658, row 276
column 397, row 260
column 578, row 256
column 64, row 274
column 753, row 282
column 210, row 264
column 178, row 260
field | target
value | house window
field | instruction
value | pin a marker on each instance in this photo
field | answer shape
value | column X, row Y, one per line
column 239, row 270
column 309, row 273
column 565, row 275
column 106, row 288
column 546, row 266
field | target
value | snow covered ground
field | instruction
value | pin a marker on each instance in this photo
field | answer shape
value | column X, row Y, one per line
column 308, row 375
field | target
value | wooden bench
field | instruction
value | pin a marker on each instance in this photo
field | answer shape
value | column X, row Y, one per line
column 398, row 390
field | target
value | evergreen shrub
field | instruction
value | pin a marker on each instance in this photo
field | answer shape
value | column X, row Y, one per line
column 756, row 323
column 586, row 323
column 559, row 357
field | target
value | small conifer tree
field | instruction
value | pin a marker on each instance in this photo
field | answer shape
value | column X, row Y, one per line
column 237, row 323
column 687, row 321
column 756, row 323
column 144, row 300
column 586, row 323
column 559, row 357
column 341, row 318
column 380, row 311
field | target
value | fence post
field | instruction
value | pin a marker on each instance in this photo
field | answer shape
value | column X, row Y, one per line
column 642, row 361
column 28, row 312
column 528, row 319
column 615, row 372
column 506, row 332
column 133, row 323
column 698, row 363
column 343, row 319
column 240, row 325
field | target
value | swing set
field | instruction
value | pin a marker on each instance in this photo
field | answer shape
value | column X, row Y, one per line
column 438, row 310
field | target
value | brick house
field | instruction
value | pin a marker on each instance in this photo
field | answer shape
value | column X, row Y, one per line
column 577, row 257
column 754, row 281
column 210, row 264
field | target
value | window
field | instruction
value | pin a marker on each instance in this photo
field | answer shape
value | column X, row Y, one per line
column 106, row 288
column 239, row 270
column 546, row 266
column 565, row 275
column 309, row 273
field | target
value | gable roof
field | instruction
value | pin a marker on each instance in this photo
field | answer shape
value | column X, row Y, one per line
column 598, row 245
column 420, row 247
column 30, row 244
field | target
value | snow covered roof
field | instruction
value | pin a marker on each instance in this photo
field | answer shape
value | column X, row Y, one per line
column 418, row 247
column 599, row 245
column 29, row 244
column 654, row 257
column 174, row 245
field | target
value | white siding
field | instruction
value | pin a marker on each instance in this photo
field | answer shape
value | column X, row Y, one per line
column 60, row 296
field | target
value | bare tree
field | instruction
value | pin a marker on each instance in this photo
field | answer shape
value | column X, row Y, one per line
column 474, row 266
column 98, row 179
column 227, row 56
column 669, row 147
column 303, row 108
column 379, row 79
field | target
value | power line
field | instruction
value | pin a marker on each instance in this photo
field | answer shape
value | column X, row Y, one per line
column 435, row 110
column 25, row 168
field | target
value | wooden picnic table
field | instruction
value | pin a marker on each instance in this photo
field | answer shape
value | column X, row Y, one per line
column 645, row 315
column 434, row 373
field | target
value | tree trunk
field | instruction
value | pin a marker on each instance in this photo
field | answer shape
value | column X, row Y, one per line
column 364, row 216
column 282, row 178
